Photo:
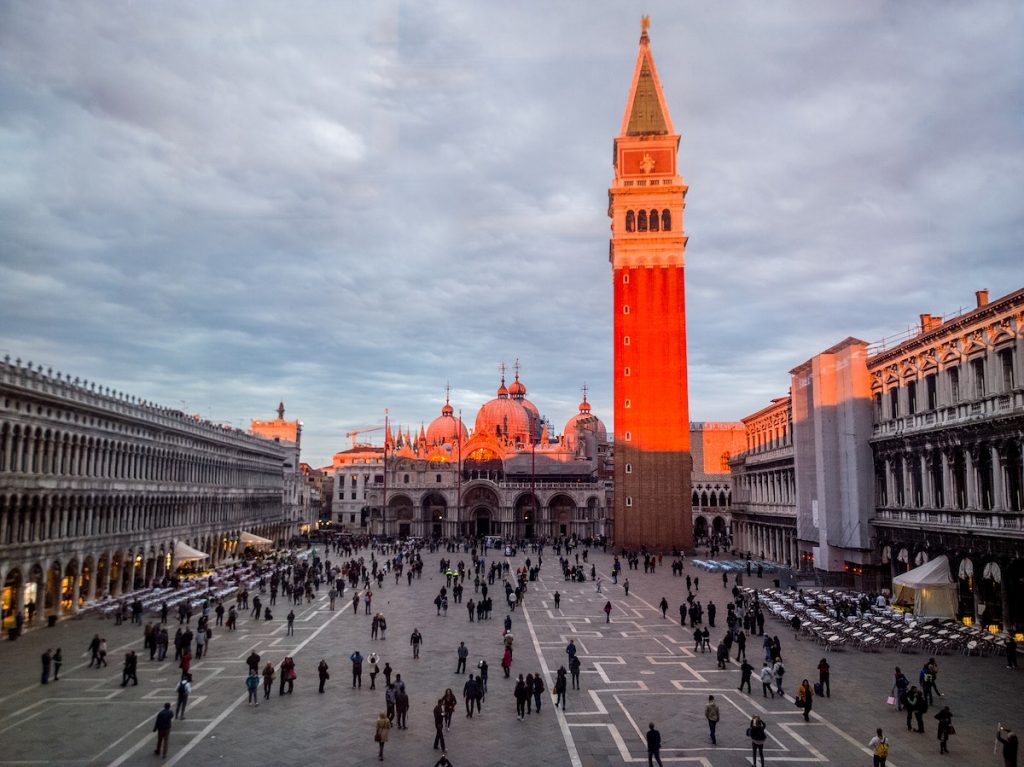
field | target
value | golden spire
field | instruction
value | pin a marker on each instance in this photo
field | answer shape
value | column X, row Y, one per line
column 645, row 24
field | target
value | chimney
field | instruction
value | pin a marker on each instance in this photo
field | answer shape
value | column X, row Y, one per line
column 981, row 296
column 928, row 322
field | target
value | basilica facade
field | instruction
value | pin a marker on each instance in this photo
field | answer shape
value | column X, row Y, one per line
column 509, row 476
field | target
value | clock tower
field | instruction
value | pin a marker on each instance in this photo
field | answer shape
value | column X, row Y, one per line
column 652, row 423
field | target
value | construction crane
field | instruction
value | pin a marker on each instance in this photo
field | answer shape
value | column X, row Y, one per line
column 352, row 434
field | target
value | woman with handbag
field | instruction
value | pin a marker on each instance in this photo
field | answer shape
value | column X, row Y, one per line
column 380, row 734
column 945, row 718
column 804, row 699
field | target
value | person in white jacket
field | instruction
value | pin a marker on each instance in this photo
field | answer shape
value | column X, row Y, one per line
column 766, row 681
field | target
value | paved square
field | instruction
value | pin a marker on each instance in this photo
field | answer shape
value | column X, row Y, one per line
column 636, row 669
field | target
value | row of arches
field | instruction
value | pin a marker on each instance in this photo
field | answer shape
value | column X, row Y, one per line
column 67, row 583
column 712, row 498
column 649, row 221
column 30, row 449
column 34, row 518
column 482, row 513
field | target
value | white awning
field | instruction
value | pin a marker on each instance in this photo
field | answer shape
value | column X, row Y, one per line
column 251, row 539
column 185, row 553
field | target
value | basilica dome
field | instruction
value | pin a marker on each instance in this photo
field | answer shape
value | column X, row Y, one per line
column 446, row 429
column 517, row 391
column 584, row 420
column 504, row 418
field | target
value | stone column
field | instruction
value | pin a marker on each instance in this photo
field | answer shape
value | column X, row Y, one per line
column 971, row 480
column 998, row 484
column 76, row 589
column 927, row 491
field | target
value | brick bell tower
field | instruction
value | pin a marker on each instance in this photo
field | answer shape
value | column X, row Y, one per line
column 652, row 422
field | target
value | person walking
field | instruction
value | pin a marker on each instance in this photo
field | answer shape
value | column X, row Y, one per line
column 449, row 701
column 712, row 714
column 608, row 612
column 824, row 674
column 252, row 685
column 401, row 704
column 574, row 672
column 663, row 604
column 778, row 670
column 560, row 687
column 162, row 728
column 766, row 680
column 463, row 653
column 323, row 673
column 482, row 677
column 520, row 693
column 899, row 687
column 756, row 731
column 439, row 725
column 47, row 664
column 416, row 639
column 538, row 688
column 745, row 672
column 945, row 717
column 805, row 698
column 184, row 689
column 291, row 623
column 380, row 734
column 268, row 679
column 879, row 746
column 130, row 670
column 506, row 661
column 653, row 746
column 58, row 661
column 374, row 662
column 470, row 693
column 357, row 669
column 741, row 645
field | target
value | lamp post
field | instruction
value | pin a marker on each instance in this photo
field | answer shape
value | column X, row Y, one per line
column 384, row 504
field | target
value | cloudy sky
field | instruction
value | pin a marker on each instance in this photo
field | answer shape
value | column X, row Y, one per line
column 219, row 205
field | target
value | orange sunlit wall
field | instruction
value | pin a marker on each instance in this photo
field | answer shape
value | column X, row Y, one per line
column 652, row 426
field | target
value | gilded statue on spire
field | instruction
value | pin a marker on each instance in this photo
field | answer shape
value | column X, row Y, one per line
column 645, row 24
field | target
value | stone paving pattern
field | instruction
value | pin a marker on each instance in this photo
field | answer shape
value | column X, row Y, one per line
column 636, row 669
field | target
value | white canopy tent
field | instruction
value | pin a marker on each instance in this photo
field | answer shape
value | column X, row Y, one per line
column 930, row 588
column 256, row 541
column 185, row 553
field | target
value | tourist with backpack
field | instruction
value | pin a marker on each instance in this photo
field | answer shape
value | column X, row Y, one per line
column 879, row 746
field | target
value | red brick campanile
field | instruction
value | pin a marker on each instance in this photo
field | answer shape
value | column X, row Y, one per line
column 652, row 422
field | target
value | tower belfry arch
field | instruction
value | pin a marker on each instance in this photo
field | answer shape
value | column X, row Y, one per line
column 652, row 425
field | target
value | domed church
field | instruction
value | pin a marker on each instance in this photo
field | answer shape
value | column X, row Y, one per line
column 511, row 476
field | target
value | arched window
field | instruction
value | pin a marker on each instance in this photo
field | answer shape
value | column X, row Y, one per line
column 654, row 220
column 630, row 221
column 666, row 220
column 641, row 221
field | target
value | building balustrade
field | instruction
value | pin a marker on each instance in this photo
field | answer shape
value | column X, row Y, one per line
column 959, row 520
column 962, row 413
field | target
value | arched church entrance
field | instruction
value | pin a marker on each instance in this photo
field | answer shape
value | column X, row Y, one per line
column 400, row 510
column 482, row 515
column 700, row 527
column 526, row 515
column 434, row 508
column 482, row 502
column 563, row 511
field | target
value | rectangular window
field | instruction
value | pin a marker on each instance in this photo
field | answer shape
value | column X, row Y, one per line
column 878, row 406
column 438, row 477
column 625, row 340
column 353, row 495
column 954, row 385
column 625, row 279
column 352, row 518
column 911, row 397
column 629, row 468
column 978, row 376
column 628, row 436
column 931, row 391
column 1006, row 364
column 625, row 372
column 628, row 404
column 894, row 403
column 629, row 500
column 625, row 309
